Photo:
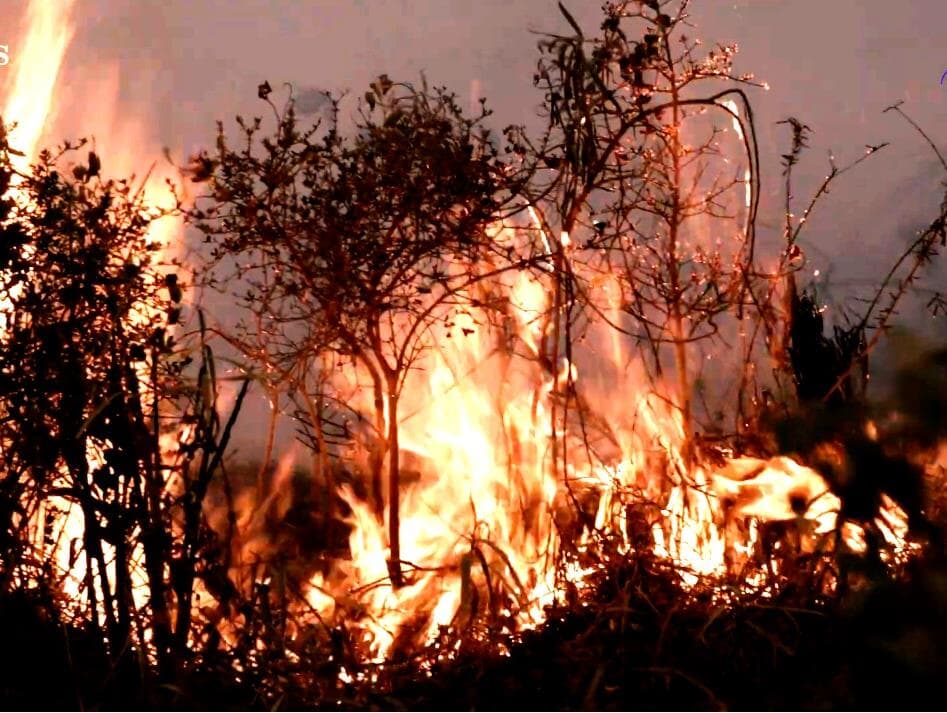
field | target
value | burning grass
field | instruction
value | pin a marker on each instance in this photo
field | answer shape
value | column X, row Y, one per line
column 563, row 440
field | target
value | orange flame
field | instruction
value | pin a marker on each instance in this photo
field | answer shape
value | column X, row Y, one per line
column 485, row 426
column 31, row 102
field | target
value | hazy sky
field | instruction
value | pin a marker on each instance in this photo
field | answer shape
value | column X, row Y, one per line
column 835, row 64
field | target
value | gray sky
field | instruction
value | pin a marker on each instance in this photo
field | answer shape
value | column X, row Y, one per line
column 835, row 64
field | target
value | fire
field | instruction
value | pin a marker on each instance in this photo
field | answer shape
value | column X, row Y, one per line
column 482, row 504
column 39, row 58
column 32, row 103
column 484, row 513
column 503, row 453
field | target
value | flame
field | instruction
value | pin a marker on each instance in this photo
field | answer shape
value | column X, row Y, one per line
column 497, row 463
column 38, row 60
column 481, row 507
column 483, row 512
column 479, row 520
column 56, row 524
column 32, row 102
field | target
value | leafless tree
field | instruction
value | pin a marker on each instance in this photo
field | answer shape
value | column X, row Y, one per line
column 632, row 179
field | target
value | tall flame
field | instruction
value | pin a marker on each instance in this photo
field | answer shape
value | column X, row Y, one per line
column 37, row 61
column 486, row 496
column 32, row 102
column 36, row 65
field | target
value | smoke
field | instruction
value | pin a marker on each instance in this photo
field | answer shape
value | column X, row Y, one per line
column 311, row 101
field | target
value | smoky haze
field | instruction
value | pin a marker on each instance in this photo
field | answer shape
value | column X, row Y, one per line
column 180, row 65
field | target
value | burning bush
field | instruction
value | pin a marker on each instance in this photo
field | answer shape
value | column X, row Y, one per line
column 481, row 323
column 598, row 413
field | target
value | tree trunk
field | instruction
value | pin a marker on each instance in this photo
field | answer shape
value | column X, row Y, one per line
column 680, row 365
column 378, row 449
column 394, row 478
column 677, row 293
column 321, row 470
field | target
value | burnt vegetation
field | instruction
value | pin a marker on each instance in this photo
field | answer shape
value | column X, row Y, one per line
column 142, row 565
